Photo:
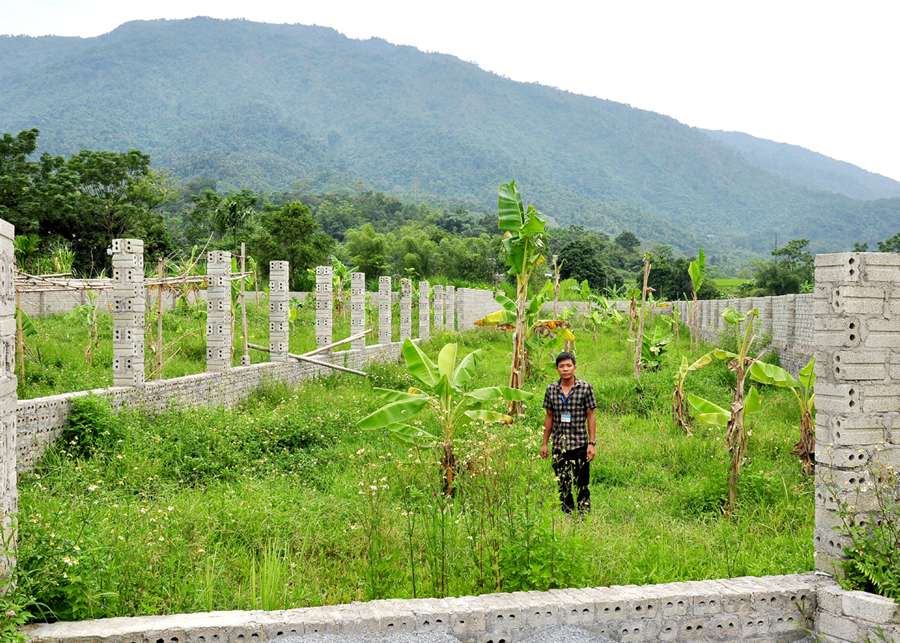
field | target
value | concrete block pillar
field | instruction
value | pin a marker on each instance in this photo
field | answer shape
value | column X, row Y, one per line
column 857, row 350
column 218, row 311
column 439, row 307
column 9, row 497
column 279, row 311
column 424, row 311
column 450, row 308
column 324, row 307
column 384, row 310
column 357, row 308
column 128, row 312
column 405, row 309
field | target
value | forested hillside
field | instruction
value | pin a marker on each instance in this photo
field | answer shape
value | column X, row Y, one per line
column 265, row 106
column 809, row 168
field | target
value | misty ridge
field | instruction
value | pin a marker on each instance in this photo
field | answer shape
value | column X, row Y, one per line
column 264, row 106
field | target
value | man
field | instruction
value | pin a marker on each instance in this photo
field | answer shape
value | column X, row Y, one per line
column 570, row 404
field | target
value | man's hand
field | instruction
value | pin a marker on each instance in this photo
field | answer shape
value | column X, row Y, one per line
column 591, row 451
column 544, row 452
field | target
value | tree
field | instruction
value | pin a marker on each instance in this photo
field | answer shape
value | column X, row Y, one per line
column 369, row 250
column 794, row 268
column 86, row 200
column 581, row 260
column 222, row 215
column 628, row 241
column 891, row 244
column 16, row 180
column 291, row 234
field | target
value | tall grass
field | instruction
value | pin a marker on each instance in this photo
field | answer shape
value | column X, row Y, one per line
column 283, row 502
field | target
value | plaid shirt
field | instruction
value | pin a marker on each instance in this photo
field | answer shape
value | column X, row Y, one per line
column 570, row 435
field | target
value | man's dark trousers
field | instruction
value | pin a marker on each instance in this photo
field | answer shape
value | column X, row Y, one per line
column 573, row 466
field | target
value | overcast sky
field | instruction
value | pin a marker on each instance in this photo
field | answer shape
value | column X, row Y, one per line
column 820, row 74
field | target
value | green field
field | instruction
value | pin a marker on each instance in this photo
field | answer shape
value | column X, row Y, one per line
column 284, row 502
column 729, row 285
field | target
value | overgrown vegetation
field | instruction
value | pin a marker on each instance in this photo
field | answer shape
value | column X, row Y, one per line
column 282, row 502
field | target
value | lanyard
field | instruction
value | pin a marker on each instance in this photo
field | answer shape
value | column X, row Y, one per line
column 565, row 400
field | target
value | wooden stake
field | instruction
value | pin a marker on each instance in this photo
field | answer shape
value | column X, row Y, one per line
column 159, row 325
column 640, row 336
column 245, row 358
column 20, row 338
column 303, row 358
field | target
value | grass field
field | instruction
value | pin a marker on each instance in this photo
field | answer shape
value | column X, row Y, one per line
column 729, row 285
column 284, row 502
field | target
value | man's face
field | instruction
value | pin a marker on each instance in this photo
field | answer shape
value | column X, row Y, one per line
column 566, row 369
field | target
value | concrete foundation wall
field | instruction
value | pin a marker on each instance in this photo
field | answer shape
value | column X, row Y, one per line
column 767, row 609
column 41, row 420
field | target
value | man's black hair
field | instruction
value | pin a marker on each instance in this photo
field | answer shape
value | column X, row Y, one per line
column 564, row 356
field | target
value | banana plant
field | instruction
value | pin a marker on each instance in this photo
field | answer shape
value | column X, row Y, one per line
column 585, row 295
column 682, row 415
column 523, row 243
column 741, row 404
column 442, row 391
column 88, row 313
column 555, row 332
column 341, row 277
column 653, row 347
column 805, row 447
column 608, row 314
column 695, row 271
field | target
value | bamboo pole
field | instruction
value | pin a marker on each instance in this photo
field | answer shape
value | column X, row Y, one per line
column 303, row 358
column 256, row 286
column 640, row 336
column 245, row 358
column 159, row 324
column 338, row 343
column 20, row 337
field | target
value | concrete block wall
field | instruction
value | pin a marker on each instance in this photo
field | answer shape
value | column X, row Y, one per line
column 9, row 497
column 41, row 420
column 767, row 609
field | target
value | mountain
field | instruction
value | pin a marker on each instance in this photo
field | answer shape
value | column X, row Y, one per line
column 262, row 105
column 809, row 168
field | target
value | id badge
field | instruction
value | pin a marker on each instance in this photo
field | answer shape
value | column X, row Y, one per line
column 566, row 418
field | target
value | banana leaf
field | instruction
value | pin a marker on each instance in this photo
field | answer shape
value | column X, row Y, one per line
column 709, row 413
column 409, row 435
column 393, row 413
column 491, row 417
column 419, row 364
column 771, row 374
column 447, row 360
column 500, row 392
column 466, row 369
